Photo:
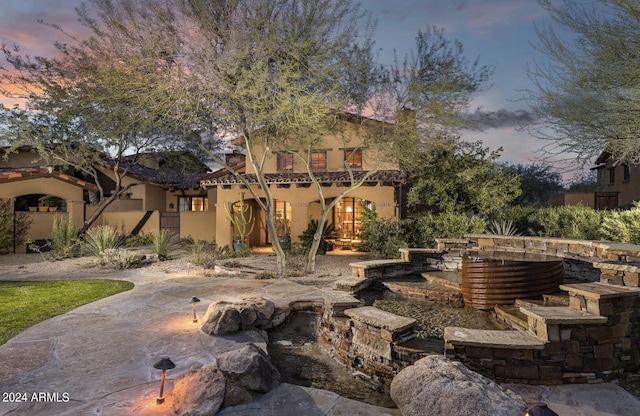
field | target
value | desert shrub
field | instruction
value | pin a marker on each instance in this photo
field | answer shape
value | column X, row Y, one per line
column 103, row 237
column 430, row 226
column 197, row 251
column 571, row 221
column 207, row 255
column 519, row 217
column 63, row 242
column 265, row 276
column 119, row 258
column 8, row 220
column 296, row 264
column 380, row 237
column 164, row 243
column 140, row 239
column 621, row 225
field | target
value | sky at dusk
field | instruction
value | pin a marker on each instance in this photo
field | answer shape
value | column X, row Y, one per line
column 500, row 32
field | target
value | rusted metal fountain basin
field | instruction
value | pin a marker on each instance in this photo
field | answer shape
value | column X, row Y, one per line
column 492, row 278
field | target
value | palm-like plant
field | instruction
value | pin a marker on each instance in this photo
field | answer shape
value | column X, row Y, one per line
column 164, row 243
column 103, row 237
column 306, row 238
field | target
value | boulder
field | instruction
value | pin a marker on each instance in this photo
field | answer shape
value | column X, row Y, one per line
column 222, row 320
column 199, row 392
column 249, row 372
column 435, row 385
column 225, row 318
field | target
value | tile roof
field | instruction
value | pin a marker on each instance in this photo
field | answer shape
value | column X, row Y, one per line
column 382, row 176
column 18, row 174
column 174, row 169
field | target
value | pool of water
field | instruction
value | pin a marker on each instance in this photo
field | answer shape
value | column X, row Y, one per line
column 431, row 316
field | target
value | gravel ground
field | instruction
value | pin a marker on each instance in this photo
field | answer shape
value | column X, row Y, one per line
column 328, row 267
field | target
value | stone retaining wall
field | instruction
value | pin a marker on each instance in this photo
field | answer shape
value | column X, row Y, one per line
column 367, row 340
column 594, row 347
column 595, row 339
column 593, row 261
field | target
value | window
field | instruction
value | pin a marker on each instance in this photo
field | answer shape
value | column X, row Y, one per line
column 348, row 216
column 282, row 217
column 353, row 157
column 319, row 160
column 612, row 175
column 193, row 203
column 626, row 172
column 285, row 162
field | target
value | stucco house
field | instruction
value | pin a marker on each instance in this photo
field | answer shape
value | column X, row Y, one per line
column 618, row 184
column 618, row 181
column 166, row 195
column 297, row 200
column 175, row 191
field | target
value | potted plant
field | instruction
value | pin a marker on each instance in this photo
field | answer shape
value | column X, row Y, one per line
column 328, row 233
column 51, row 205
column 282, row 231
column 241, row 216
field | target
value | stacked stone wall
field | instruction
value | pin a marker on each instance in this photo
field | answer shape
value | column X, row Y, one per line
column 574, row 353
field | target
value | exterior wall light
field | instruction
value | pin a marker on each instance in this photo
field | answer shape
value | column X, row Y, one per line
column 164, row 364
column 193, row 302
column 540, row 409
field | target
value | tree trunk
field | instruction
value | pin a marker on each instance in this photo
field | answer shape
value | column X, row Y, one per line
column 275, row 243
column 315, row 244
column 101, row 207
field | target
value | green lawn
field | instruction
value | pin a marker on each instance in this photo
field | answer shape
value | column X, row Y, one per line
column 23, row 304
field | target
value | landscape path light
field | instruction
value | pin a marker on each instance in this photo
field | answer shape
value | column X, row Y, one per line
column 193, row 302
column 540, row 409
column 164, row 364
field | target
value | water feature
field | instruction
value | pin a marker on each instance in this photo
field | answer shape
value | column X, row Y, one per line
column 431, row 316
column 301, row 361
column 499, row 278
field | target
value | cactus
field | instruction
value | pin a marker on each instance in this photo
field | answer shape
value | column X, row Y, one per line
column 241, row 216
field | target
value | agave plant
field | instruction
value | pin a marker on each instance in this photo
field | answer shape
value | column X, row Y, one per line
column 164, row 243
column 503, row 227
column 103, row 237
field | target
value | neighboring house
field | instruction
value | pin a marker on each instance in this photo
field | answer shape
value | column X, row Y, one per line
column 296, row 199
column 619, row 185
column 167, row 195
column 620, row 182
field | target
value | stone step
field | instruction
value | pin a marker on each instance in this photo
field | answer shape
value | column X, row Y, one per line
column 426, row 289
column 597, row 291
column 491, row 338
column 562, row 315
column 352, row 284
column 511, row 316
column 452, row 280
column 547, row 300
column 558, row 298
column 545, row 321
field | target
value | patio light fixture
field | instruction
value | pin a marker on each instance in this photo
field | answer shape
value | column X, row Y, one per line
column 540, row 409
column 164, row 364
column 193, row 302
